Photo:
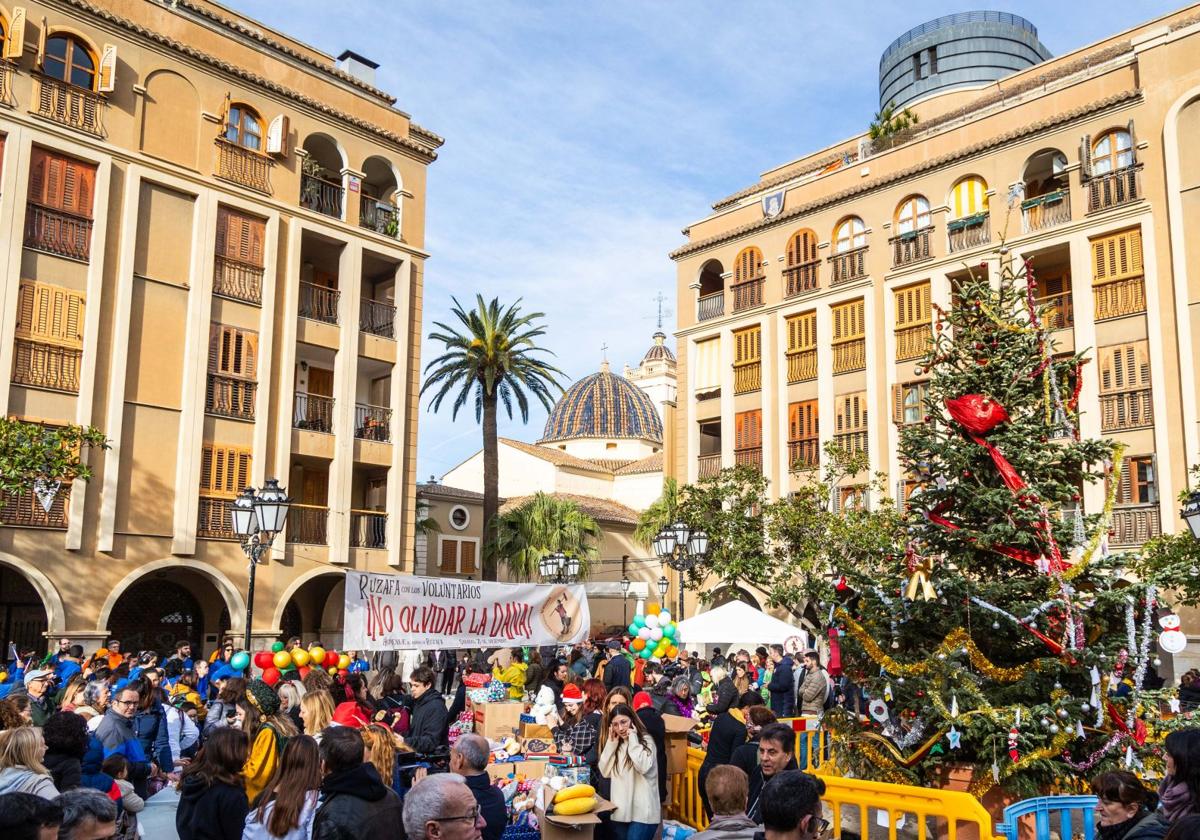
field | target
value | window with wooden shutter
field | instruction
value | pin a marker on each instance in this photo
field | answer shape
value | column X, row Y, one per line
column 748, row 265
column 853, row 497
column 913, row 321
column 50, row 314
column 747, row 429
column 1117, row 256
column 1126, row 400
column 849, row 336
column 449, row 558
column 224, row 470
column 804, row 439
column 1113, row 150
column 233, row 352
column 747, row 345
column 802, row 347
column 466, row 557
column 240, row 236
column 61, row 183
column 850, row 422
column 908, row 402
column 802, row 248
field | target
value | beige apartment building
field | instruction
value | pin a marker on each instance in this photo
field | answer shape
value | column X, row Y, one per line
column 215, row 256
column 805, row 299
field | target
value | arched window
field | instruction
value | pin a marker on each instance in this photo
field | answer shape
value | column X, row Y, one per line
column 1113, row 151
column 968, row 197
column 68, row 58
column 850, row 233
column 3, row 34
column 912, row 214
column 802, row 248
column 243, row 126
column 748, row 265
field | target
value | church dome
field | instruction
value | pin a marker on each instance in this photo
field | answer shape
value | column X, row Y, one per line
column 659, row 351
column 603, row 405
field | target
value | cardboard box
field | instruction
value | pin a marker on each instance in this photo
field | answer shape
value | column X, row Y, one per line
column 580, row 827
column 536, row 730
column 677, row 741
column 531, row 769
column 497, row 721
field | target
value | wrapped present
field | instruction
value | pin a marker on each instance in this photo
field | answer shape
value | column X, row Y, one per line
column 464, row 724
column 478, row 695
column 476, row 680
column 578, row 774
column 496, row 691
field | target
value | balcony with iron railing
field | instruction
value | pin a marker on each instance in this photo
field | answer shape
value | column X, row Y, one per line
column 748, row 456
column 25, row 509
column 1045, row 211
column 849, row 356
column 1114, row 189
column 230, row 396
column 913, row 342
column 969, row 232
column 747, row 377
column 1134, row 525
column 1126, row 410
column 804, row 454
column 7, row 69
column 308, row 524
column 372, row 422
column 319, row 303
column 379, row 216
column 214, row 521
column 748, row 294
column 377, row 317
column 852, row 443
column 238, row 280
column 57, row 232
column 313, row 413
column 1057, row 311
column 68, row 105
column 321, row 196
column 911, row 247
column 46, row 366
column 710, row 306
column 1119, row 298
column 801, row 365
column 848, row 265
column 242, row 166
column 805, row 277
column 368, row 529
column 708, row 465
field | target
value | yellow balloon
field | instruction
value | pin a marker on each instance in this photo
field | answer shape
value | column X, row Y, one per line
column 282, row 659
column 317, row 653
column 332, row 671
column 3, row 676
column 300, row 657
column 343, row 661
column 653, row 609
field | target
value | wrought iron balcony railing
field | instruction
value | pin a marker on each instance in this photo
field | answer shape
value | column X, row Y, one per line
column 57, row 232
column 368, row 529
column 230, row 396
column 1114, row 188
column 243, row 166
column 804, row 454
column 46, row 366
column 319, row 303
column 1045, row 211
column 68, row 105
column 802, row 365
column 911, row 247
column 1119, row 298
column 850, row 356
column 912, row 342
column 969, row 232
column 372, row 422
column 321, row 196
column 805, row 277
column 238, row 280
column 26, row 509
column 748, row 456
column 214, row 521
column 308, row 524
column 748, row 295
column 379, row 216
column 710, row 306
column 377, row 317
column 849, row 265
column 1057, row 311
column 313, row 413
column 1126, row 410
column 747, row 377
column 707, row 465
column 853, row 443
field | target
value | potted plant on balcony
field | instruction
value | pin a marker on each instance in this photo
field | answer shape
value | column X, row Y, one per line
column 41, row 458
column 310, row 189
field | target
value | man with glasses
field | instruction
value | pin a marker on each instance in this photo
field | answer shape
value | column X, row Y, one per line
column 116, row 734
column 354, row 802
column 37, row 685
column 469, row 759
column 441, row 807
column 792, row 808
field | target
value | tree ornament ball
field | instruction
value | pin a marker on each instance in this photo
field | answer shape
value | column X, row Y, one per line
column 995, row 625
column 1054, row 729
column 281, row 659
column 900, row 680
column 271, row 676
column 276, row 647
column 1045, row 723
column 941, row 656
column 1063, row 714
column 1057, row 685
column 895, row 646
column 1085, row 707
column 301, row 657
column 1157, row 662
column 317, row 654
column 239, row 661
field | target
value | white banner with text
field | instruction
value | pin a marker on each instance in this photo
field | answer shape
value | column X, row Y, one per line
column 390, row 612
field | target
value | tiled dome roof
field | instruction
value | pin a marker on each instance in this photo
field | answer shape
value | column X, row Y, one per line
column 659, row 351
column 603, row 405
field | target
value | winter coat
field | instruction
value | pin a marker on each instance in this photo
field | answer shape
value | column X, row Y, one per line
column 491, row 805
column 514, row 677
column 210, row 812
column 91, row 776
column 632, row 770
column 730, row 827
column 116, row 735
column 428, row 724
column 783, row 690
column 356, row 805
column 618, row 672
column 21, row 779
column 657, row 730
column 745, row 757
column 1145, row 826
column 813, row 691
column 261, row 763
column 255, row 830
column 132, row 803
column 728, row 731
column 757, row 783
column 724, row 696
column 151, row 729
column 64, row 769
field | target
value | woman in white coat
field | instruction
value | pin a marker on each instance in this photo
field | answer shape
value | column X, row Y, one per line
column 627, row 758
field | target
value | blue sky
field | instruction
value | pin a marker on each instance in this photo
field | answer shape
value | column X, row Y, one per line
column 581, row 137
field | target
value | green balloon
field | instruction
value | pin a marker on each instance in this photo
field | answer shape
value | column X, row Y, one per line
column 647, row 653
column 275, row 648
column 669, row 630
column 632, row 628
column 639, row 620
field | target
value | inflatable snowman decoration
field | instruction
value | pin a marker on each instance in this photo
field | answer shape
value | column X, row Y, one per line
column 1171, row 639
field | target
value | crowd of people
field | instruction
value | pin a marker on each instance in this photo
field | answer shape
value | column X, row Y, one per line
column 378, row 750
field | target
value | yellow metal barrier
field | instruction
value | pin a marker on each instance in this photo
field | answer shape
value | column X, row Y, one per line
column 952, row 815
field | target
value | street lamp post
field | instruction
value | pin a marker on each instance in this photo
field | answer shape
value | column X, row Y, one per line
column 625, row 584
column 663, row 586
column 681, row 548
column 559, row 567
column 1191, row 513
column 257, row 518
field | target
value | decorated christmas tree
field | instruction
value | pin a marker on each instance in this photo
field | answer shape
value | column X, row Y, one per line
column 1005, row 635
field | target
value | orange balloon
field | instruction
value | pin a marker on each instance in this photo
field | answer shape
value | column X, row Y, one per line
column 638, row 644
column 653, row 609
column 672, row 651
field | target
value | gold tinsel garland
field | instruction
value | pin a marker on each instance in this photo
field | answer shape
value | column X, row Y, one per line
column 955, row 639
column 1114, row 481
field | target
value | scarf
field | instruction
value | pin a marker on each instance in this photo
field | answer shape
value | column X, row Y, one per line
column 1176, row 799
column 683, row 707
column 1118, row 831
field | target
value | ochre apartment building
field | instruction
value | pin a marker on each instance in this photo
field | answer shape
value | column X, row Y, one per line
column 805, row 299
column 215, row 256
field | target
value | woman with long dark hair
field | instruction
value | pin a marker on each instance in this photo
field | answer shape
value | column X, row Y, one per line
column 260, row 718
column 1125, row 808
column 1180, row 788
column 627, row 758
column 289, row 801
column 212, row 791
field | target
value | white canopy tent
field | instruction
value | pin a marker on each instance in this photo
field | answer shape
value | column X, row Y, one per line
column 736, row 624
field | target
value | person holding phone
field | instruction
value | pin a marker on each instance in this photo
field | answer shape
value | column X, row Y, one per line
column 628, row 759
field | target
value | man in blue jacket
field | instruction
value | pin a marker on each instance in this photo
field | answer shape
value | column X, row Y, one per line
column 617, row 670
column 782, row 686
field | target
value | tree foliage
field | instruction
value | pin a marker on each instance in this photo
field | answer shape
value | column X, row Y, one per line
column 541, row 525
column 662, row 512
column 32, row 452
column 889, row 120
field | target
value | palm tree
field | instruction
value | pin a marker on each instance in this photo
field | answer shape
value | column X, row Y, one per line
column 543, row 524
column 660, row 514
column 493, row 357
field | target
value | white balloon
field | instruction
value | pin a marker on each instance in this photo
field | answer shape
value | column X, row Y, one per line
column 651, row 621
column 656, row 634
column 643, row 632
column 664, row 618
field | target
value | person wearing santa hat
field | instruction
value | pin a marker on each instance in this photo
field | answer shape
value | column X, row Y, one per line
column 574, row 732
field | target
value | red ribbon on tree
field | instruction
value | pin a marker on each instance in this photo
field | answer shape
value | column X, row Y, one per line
column 835, row 653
